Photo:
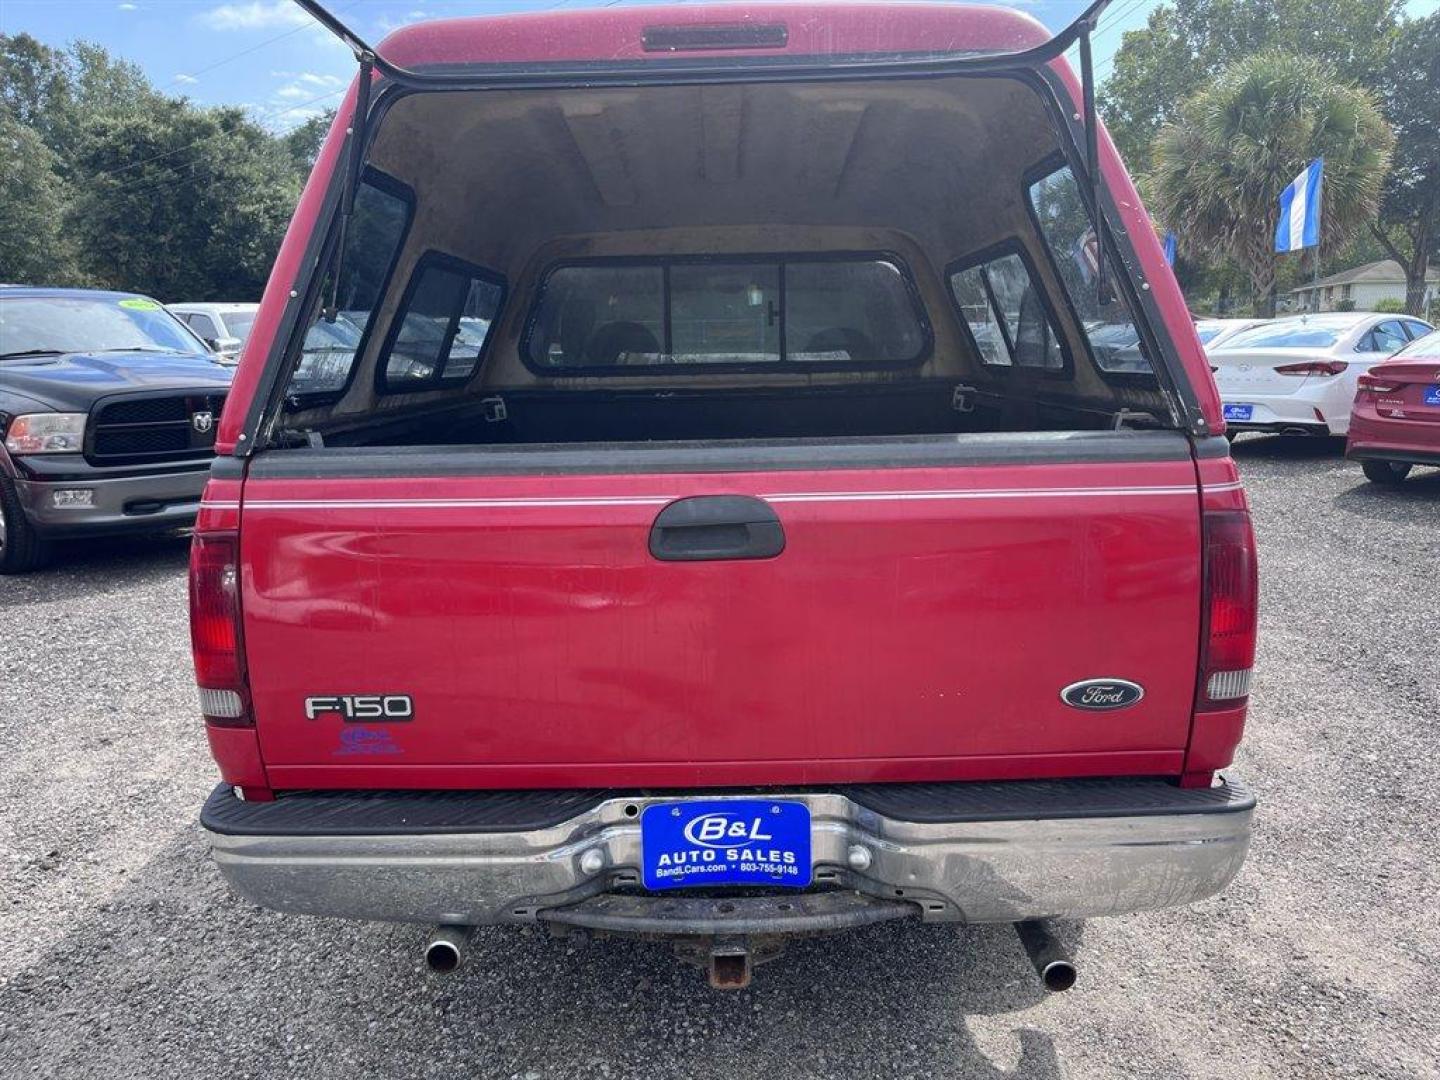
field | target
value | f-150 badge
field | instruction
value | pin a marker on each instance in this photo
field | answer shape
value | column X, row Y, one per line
column 1101, row 695
column 362, row 708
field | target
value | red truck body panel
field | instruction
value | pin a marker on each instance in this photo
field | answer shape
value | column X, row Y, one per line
column 920, row 625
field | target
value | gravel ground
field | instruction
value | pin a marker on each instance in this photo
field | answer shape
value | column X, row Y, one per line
column 122, row 954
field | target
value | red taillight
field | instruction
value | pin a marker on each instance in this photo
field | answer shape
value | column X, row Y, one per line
column 1375, row 384
column 1231, row 607
column 215, row 629
column 1313, row 367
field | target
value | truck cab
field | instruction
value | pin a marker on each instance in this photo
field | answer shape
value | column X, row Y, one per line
column 769, row 483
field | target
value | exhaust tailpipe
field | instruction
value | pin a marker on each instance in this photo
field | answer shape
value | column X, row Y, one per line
column 445, row 951
column 1047, row 955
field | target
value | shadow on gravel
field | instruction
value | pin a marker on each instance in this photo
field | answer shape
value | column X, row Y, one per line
column 102, row 564
column 175, row 977
column 1415, row 500
column 1287, row 448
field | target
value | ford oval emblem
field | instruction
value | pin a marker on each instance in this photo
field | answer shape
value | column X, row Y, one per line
column 1101, row 695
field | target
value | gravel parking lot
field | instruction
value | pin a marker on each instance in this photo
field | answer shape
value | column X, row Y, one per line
column 123, row 954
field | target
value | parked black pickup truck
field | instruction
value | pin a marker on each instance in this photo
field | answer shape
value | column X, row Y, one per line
column 108, row 408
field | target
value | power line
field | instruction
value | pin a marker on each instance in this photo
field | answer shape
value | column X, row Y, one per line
column 1120, row 13
column 246, row 52
column 211, row 67
column 150, row 183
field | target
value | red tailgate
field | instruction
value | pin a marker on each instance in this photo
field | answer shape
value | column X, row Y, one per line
column 920, row 623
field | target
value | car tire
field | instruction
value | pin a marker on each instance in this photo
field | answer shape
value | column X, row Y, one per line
column 22, row 549
column 1385, row 472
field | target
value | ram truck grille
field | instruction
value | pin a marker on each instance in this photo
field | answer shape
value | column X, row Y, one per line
column 153, row 428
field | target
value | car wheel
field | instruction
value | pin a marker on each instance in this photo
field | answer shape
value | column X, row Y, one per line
column 21, row 547
column 1385, row 472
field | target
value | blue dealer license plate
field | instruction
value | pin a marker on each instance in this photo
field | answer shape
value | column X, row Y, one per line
column 1239, row 412
column 1432, row 394
column 725, row 842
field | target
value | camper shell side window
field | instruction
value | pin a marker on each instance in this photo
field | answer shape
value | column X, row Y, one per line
column 1057, row 209
column 446, row 319
column 1005, row 311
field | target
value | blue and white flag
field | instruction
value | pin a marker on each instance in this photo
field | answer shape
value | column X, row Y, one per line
column 1170, row 249
column 1299, row 225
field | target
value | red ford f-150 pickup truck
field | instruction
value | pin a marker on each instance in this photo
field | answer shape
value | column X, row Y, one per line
column 726, row 513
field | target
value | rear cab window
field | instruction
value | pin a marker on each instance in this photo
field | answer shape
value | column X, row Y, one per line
column 768, row 312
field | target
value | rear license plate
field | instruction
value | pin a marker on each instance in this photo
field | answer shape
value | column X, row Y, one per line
column 1432, row 394
column 1239, row 412
column 725, row 842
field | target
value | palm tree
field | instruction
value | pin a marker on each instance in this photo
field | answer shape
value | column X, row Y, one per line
column 1220, row 168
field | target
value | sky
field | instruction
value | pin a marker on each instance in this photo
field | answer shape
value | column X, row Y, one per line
column 269, row 57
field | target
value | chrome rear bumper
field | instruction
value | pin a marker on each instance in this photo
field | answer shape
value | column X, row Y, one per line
column 981, row 868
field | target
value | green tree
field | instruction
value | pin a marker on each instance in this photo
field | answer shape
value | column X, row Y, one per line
column 1220, row 167
column 1185, row 44
column 1409, row 224
column 302, row 142
column 54, row 91
column 108, row 181
column 33, row 197
column 180, row 202
column 34, row 82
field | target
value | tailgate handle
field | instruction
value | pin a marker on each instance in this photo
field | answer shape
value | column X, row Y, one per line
column 708, row 527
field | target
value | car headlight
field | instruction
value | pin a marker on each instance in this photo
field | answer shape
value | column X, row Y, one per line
column 46, row 433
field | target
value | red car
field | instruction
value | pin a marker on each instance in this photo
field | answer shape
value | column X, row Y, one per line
column 1395, row 422
column 736, row 518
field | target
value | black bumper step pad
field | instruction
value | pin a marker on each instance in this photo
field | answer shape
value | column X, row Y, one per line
column 1041, row 800
column 393, row 813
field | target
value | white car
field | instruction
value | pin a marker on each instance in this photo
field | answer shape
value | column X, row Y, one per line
column 223, row 326
column 1214, row 333
column 1298, row 375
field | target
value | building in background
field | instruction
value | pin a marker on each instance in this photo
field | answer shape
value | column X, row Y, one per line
column 1362, row 287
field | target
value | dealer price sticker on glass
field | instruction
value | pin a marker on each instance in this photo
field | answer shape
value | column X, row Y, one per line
column 725, row 842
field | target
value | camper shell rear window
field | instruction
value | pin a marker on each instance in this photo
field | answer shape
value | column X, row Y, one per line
column 757, row 313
